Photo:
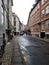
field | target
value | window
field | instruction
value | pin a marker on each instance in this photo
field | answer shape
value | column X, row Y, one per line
column 47, row 24
column 2, row 14
column 45, row 0
column 5, row 21
column 14, row 23
column 42, row 2
column 42, row 26
column 38, row 5
column 47, row 9
column 36, row 9
column 14, row 18
column 43, row 11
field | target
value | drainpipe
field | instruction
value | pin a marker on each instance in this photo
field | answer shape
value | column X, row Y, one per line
column 8, row 12
column 8, row 27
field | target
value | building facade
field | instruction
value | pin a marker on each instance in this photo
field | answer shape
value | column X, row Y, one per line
column 5, row 10
column 5, row 14
column 16, row 23
column 45, row 17
column 38, row 21
column 2, row 16
column 22, row 27
column 10, row 13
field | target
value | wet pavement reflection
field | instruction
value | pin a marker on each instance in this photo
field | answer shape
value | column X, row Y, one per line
column 35, row 51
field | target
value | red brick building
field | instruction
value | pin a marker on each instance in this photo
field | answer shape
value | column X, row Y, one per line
column 38, row 21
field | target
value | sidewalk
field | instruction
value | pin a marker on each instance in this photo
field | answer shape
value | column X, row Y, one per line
column 6, row 60
column 12, row 55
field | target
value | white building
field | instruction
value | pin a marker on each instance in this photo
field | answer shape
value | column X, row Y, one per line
column 16, row 23
column 10, row 12
column 5, row 17
column 4, row 5
column 1, row 19
column 22, row 27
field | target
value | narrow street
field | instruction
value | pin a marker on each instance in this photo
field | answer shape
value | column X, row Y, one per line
column 26, row 50
column 34, row 51
column 24, row 32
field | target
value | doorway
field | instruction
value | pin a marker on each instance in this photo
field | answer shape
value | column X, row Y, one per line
column 42, row 34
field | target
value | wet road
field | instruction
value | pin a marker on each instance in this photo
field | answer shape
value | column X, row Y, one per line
column 16, row 55
column 35, row 52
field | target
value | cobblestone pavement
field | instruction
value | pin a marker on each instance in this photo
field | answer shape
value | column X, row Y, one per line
column 6, row 60
column 12, row 55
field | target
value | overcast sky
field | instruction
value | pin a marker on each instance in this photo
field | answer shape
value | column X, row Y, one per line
column 22, row 9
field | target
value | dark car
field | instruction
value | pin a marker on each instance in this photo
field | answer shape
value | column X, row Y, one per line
column 21, row 33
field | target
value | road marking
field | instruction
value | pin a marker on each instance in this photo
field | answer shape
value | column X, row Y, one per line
column 22, row 52
column 25, row 59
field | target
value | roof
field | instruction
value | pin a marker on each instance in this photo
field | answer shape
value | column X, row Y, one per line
column 34, row 6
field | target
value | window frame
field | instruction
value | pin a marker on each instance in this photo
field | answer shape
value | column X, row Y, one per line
column 42, row 2
column 2, row 16
column 47, row 9
column 42, row 26
column 47, row 24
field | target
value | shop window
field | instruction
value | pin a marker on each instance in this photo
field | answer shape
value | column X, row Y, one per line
column 47, row 24
column 47, row 36
column 47, row 9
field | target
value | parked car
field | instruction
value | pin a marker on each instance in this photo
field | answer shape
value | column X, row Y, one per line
column 21, row 33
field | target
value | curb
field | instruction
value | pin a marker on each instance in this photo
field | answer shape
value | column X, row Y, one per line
column 22, row 55
column 8, row 54
column 45, row 40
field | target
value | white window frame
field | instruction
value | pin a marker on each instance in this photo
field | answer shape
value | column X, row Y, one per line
column 38, row 6
column 47, row 24
column 42, row 2
column 47, row 9
column 42, row 26
column 43, row 11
